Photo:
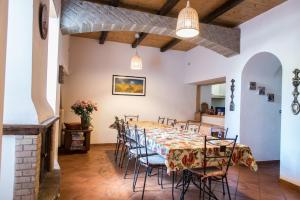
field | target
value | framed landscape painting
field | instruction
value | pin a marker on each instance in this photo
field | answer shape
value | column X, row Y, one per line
column 129, row 85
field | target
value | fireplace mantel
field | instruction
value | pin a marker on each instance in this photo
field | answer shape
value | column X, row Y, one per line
column 34, row 156
column 28, row 129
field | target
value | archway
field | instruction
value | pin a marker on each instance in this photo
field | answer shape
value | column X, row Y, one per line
column 260, row 116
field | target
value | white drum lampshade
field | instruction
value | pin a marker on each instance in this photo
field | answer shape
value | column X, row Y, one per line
column 187, row 22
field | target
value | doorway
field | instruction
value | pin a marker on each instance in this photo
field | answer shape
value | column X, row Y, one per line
column 261, row 106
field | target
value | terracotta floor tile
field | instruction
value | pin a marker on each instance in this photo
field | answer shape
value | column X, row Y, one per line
column 95, row 176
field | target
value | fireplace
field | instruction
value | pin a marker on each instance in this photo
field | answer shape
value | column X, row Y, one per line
column 34, row 158
column 45, row 159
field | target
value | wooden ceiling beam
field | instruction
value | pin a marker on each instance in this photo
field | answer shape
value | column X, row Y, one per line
column 169, row 45
column 228, row 5
column 103, row 36
column 165, row 9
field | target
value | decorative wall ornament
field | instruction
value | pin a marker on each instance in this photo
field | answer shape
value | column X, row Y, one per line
column 232, row 105
column 43, row 21
column 271, row 97
column 296, row 81
column 261, row 90
column 252, row 86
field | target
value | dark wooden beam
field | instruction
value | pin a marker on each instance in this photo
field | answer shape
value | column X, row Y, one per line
column 228, row 5
column 169, row 45
column 167, row 7
column 103, row 37
column 137, row 41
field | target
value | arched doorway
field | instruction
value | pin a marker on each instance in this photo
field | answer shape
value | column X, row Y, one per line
column 260, row 116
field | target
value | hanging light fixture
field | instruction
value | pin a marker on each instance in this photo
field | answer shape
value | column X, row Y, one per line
column 187, row 22
column 136, row 60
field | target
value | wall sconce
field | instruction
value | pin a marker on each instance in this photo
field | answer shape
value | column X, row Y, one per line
column 232, row 105
column 296, row 81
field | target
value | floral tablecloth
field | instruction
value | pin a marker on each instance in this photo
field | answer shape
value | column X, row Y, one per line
column 184, row 149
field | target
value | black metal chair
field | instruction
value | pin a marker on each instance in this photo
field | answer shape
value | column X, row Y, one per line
column 193, row 126
column 222, row 154
column 161, row 120
column 181, row 125
column 119, row 125
column 133, row 149
column 219, row 132
column 171, row 122
column 148, row 161
column 131, row 118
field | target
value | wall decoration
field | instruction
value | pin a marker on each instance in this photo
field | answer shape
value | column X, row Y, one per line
column 43, row 20
column 61, row 74
column 129, row 85
column 271, row 97
column 252, row 85
column 261, row 90
column 232, row 105
column 296, row 81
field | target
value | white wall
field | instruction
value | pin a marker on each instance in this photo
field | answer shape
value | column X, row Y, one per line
column 8, row 167
column 91, row 69
column 3, row 36
column 260, row 119
column 18, row 105
column 276, row 31
column 39, row 67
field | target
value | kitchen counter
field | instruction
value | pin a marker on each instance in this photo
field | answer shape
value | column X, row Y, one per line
column 216, row 120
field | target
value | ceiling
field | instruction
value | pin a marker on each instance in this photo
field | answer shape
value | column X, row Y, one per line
column 240, row 12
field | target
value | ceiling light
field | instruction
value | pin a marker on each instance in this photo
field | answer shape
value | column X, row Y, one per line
column 187, row 22
column 136, row 60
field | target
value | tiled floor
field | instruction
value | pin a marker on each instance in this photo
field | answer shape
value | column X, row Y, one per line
column 95, row 176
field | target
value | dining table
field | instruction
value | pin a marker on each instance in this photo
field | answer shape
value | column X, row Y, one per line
column 184, row 149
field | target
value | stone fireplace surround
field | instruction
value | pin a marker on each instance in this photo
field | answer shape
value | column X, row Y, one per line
column 28, row 158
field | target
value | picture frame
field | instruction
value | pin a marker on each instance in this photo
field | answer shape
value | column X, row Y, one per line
column 252, row 85
column 128, row 85
column 261, row 90
column 271, row 97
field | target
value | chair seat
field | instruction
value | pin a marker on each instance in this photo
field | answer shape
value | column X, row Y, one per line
column 132, row 144
column 210, row 172
column 136, row 151
column 153, row 160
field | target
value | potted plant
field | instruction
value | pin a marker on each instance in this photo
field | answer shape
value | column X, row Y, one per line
column 84, row 109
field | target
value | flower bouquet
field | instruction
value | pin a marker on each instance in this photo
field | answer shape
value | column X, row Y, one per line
column 84, row 109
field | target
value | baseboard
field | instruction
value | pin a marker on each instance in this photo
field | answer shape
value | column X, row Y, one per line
column 104, row 144
column 268, row 162
column 289, row 184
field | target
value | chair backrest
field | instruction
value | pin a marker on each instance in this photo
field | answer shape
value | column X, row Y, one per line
column 180, row 125
column 161, row 120
column 219, row 150
column 131, row 118
column 141, row 142
column 193, row 126
column 129, row 136
column 171, row 122
column 219, row 132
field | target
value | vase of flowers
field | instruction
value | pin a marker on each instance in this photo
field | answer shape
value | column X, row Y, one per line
column 84, row 109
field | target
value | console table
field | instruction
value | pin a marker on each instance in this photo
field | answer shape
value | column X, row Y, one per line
column 77, row 140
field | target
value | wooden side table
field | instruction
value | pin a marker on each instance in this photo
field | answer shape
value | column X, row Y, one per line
column 77, row 140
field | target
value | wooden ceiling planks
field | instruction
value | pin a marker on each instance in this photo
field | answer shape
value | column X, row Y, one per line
column 245, row 11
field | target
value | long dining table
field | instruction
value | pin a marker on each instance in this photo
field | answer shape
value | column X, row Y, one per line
column 183, row 149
